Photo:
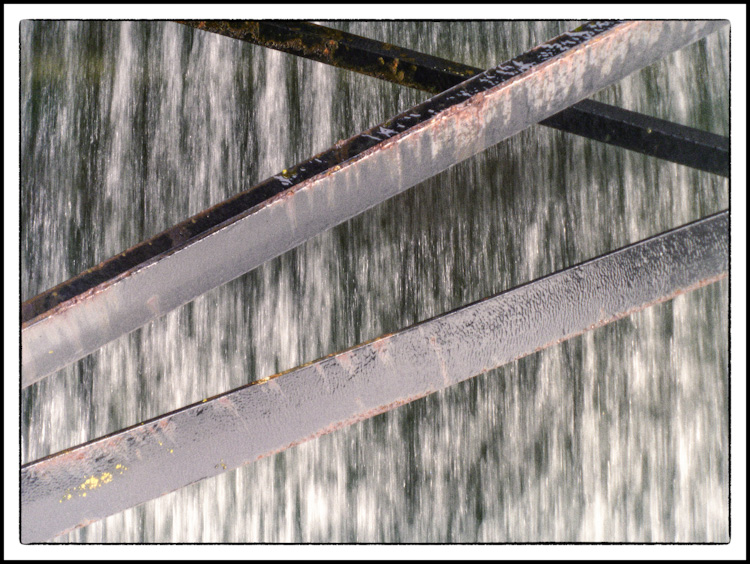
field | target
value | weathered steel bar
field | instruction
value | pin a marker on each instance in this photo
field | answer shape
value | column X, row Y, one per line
column 594, row 120
column 131, row 466
column 117, row 296
column 645, row 134
column 344, row 50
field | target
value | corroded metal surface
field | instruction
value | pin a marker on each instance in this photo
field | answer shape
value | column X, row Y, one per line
column 91, row 481
column 594, row 120
column 118, row 296
column 645, row 134
column 345, row 50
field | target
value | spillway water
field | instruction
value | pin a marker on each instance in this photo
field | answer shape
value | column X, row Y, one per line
column 618, row 435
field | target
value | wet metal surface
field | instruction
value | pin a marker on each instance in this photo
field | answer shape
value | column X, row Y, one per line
column 645, row 134
column 107, row 475
column 77, row 317
column 594, row 120
column 345, row 50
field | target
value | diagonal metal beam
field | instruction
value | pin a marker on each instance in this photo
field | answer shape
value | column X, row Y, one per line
column 385, row 61
column 602, row 122
column 134, row 465
column 117, row 296
column 645, row 134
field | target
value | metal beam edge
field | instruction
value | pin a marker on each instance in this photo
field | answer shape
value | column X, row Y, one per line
column 594, row 120
column 102, row 477
column 378, row 165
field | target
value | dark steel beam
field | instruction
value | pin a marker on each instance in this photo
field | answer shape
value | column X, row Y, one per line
column 645, row 134
column 105, row 476
column 345, row 50
column 602, row 122
column 123, row 293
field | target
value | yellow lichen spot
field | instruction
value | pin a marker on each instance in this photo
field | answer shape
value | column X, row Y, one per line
column 159, row 443
column 69, row 496
column 94, row 482
column 118, row 466
column 50, row 352
column 205, row 400
column 171, row 450
column 84, row 494
column 91, row 483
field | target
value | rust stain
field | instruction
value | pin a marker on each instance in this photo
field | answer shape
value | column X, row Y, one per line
column 627, row 313
column 345, row 359
column 346, row 423
column 441, row 361
column 380, row 345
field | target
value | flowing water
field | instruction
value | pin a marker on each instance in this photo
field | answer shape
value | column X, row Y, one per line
column 617, row 435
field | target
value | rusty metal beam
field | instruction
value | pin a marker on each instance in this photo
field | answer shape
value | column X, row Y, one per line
column 340, row 49
column 601, row 122
column 102, row 477
column 123, row 293
column 646, row 135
